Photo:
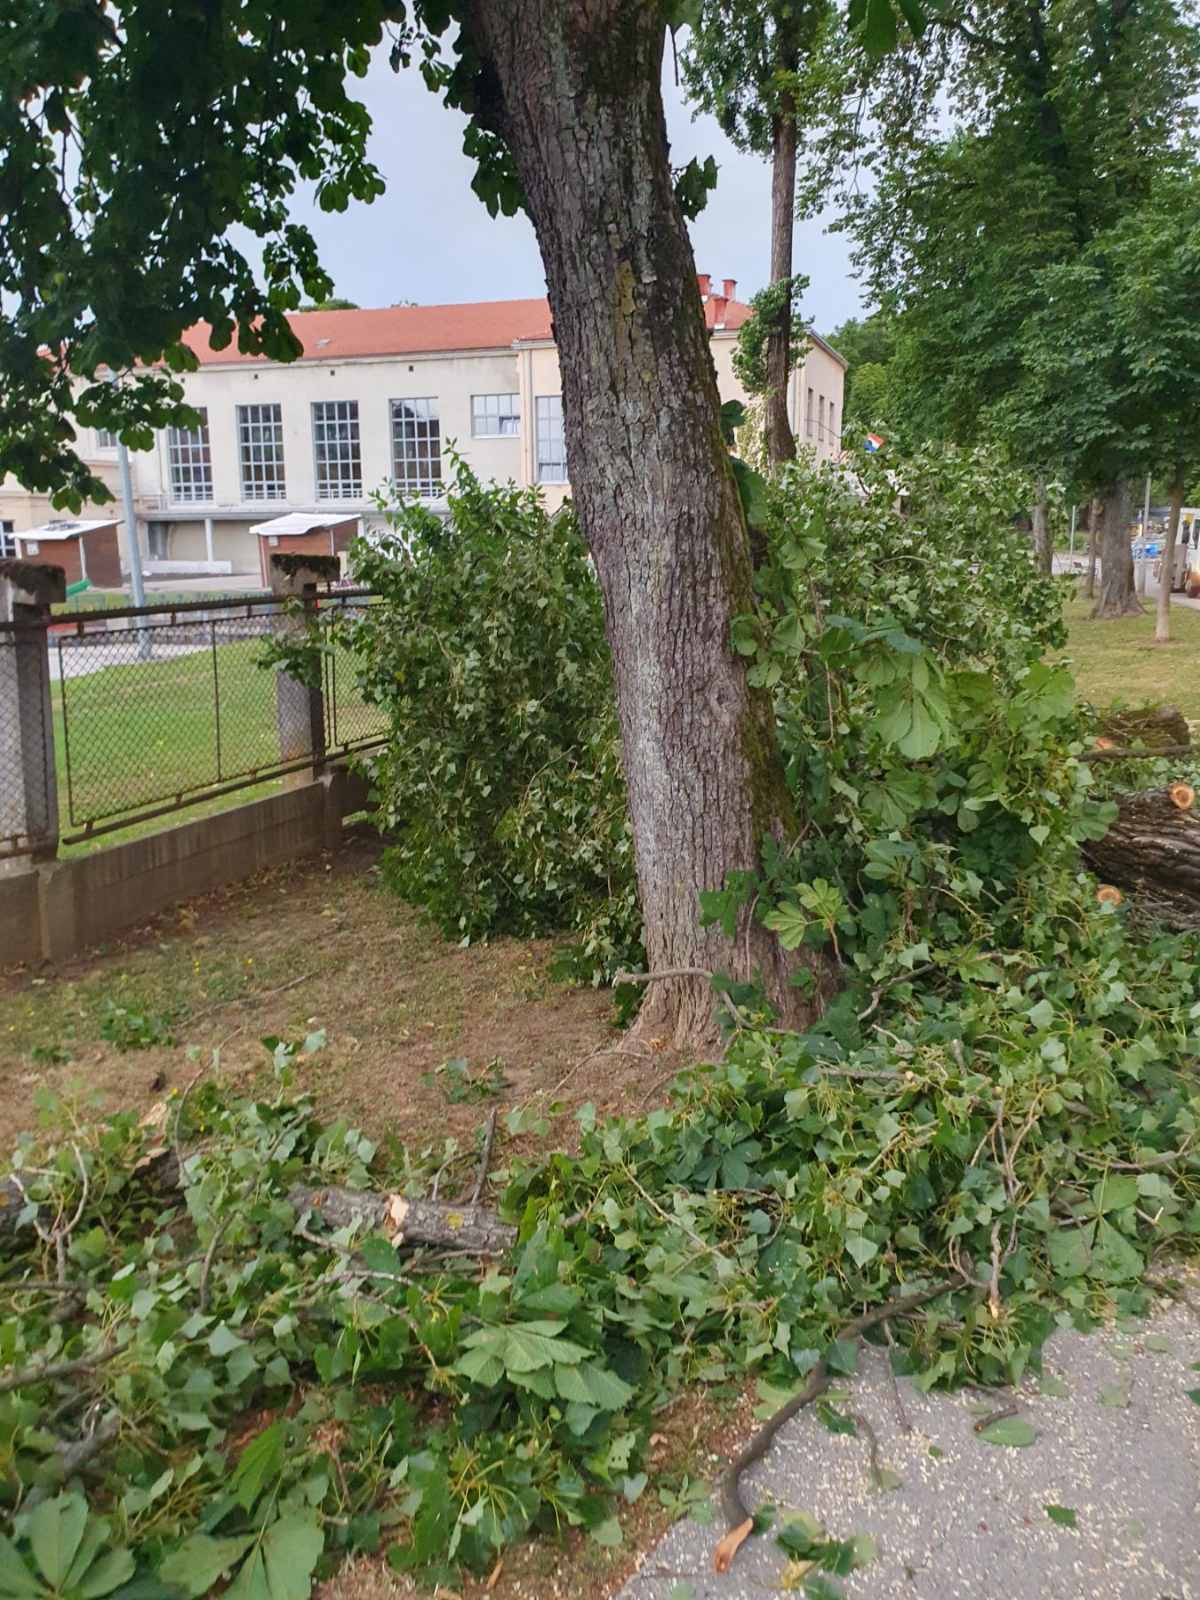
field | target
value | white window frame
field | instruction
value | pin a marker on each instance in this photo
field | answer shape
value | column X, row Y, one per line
column 551, row 444
column 821, row 417
column 189, row 464
column 8, row 542
column 261, row 466
column 416, row 433
column 808, row 416
column 495, row 416
column 337, row 450
column 106, row 439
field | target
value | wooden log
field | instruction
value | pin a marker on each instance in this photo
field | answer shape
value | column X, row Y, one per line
column 1162, row 728
column 467, row 1228
column 1152, row 851
column 407, row 1222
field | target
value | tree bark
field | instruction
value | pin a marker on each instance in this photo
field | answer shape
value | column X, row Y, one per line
column 1089, row 587
column 1117, row 597
column 781, row 443
column 1152, row 850
column 1043, row 547
column 1162, row 611
column 575, row 94
column 409, row 1222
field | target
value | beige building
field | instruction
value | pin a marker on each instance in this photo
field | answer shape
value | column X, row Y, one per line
column 381, row 396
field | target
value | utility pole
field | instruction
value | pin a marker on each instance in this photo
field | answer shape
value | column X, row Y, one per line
column 136, row 577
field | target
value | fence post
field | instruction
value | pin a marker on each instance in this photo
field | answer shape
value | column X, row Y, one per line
column 300, row 707
column 28, row 780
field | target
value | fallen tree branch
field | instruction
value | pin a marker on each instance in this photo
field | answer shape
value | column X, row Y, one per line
column 663, row 976
column 738, row 1517
column 463, row 1228
column 1109, row 754
column 45, row 1371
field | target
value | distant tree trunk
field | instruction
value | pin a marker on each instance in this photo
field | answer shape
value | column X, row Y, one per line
column 1089, row 587
column 781, row 443
column 1043, row 545
column 1162, row 612
column 573, row 87
column 1116, row 597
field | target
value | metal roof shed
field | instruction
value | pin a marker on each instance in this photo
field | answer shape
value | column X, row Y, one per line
column 301, row 533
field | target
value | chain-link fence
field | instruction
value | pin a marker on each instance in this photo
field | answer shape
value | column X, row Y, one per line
column 156, row 708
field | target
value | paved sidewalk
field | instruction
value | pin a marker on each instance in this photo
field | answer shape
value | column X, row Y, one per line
column 1121, row 1448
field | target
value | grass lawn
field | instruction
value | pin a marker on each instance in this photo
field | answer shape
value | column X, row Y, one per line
column 143, row 732
column 1120, row 660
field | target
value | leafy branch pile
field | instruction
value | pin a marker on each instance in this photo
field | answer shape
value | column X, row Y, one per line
column 238, row 1390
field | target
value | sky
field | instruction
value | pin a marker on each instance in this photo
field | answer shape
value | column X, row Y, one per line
column 430, row 240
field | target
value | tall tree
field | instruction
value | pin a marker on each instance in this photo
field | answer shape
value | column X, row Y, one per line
column 119, row 179
column 1001, row 145
column 741, row 63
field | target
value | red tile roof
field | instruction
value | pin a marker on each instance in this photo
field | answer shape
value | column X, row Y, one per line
column 424, row 330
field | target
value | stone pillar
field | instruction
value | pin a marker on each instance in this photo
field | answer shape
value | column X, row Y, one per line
column 28, row 780
column 300, row 707
column 208, row 539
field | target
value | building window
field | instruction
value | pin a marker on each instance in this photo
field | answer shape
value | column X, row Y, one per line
column 260, row 448
column 417, row 447
column 8, row 544
column 158, row 541
column 808, row 416
column 821, row 416
column 551, row 446
column 337, row 449
column 106, row 439
column 189, row 461
column 833, row 433
column 493, row 414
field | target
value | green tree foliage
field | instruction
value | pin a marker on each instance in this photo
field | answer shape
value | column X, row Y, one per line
column 110, row 253
column 1004, row 145
column 502, row 779
column 333, row 303
column 869, row 346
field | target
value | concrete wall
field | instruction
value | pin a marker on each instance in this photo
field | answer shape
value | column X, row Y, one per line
column 54, row 910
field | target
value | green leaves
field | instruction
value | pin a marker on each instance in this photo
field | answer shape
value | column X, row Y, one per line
column 1014, row 1432
column 196, row 1565
column 1062, row 1515
column 258, row 1465
column 70, row 1555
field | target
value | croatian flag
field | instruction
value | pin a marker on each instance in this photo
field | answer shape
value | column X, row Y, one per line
column 873, row 443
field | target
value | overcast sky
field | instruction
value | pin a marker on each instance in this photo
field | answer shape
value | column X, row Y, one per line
column 429, row 239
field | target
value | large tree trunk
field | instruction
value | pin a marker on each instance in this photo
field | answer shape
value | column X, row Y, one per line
column 1043, row 545
column 1162, row 612
column 1153, row 851
column 575, row 94
column 781, row 443
column 1117, row 597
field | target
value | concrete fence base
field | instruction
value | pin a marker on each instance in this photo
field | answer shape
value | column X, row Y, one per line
column 55, row 909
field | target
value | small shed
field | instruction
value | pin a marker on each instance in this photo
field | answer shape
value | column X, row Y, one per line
column 301, row 534
column 84, row 550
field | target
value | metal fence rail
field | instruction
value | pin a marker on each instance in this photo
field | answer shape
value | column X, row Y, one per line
column 156, row 708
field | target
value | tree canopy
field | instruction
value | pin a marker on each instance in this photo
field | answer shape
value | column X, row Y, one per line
column 1003, row 147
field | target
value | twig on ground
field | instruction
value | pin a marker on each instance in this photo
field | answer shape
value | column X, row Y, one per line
column 900, row 977
column 1001, row 1415
column 47, row 1370
column 209, row 1256
column 661, row 977
column 73, row 1458
column 485, row 1158
column 737, row 1515
column 902, row 1418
